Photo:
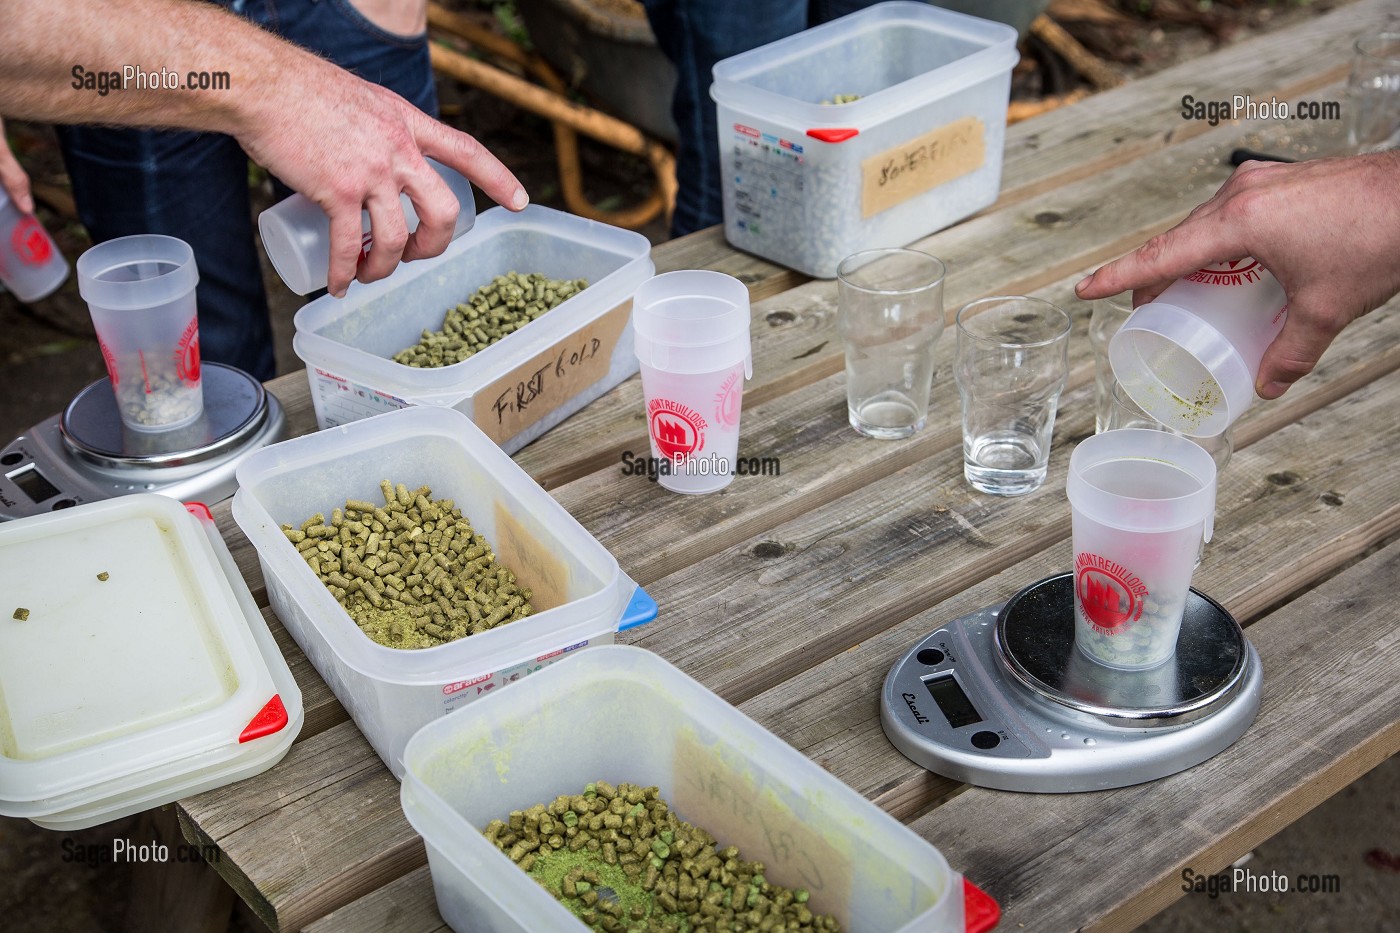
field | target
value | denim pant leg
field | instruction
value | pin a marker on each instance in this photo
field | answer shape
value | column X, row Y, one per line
column 695, row 35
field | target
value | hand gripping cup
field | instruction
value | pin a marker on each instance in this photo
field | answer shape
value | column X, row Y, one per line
column 140, row 292
column 692, row 333
column 31, row 266
column 1142, row 502
column 1190, row 358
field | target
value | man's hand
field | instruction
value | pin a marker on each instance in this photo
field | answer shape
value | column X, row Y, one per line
column 12, row 176
column 1329, row 231
column 350, row 145
column 343, row 142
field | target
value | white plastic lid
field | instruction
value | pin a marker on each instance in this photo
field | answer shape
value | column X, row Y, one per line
column 131, row 273
column 159, row 678
column 693, row 321
column 1181, row 370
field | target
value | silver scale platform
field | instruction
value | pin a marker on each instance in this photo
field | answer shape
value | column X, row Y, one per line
column 85, row 454
column 1002, row 698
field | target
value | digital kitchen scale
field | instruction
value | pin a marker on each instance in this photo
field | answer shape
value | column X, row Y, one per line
column 1002, row 698
column 86, row 454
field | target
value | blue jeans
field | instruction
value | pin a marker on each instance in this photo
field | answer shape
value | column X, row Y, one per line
column 696, row 35
column 195, row 185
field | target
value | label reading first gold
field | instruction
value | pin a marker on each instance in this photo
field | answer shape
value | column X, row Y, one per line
column 909, row 169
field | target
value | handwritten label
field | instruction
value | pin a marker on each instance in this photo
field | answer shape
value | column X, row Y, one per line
column 909, row 169
column 535, row 567
column 550, row 378
column 719, row 792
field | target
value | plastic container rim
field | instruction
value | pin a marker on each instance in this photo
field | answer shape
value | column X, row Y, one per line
column 787, row 760
column 421, row 666
column 472, row 373
column 997, row 54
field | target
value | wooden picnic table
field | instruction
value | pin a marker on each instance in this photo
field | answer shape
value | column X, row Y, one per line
column 797, row 587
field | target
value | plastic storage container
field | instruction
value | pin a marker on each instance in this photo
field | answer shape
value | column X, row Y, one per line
column 581, row 596
column 514, row 390
column 623, row 714
column 122, row 694
column 806, row 184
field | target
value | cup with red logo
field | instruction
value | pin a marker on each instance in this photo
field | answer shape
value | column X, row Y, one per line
column 1142, row 502
column 140, row 292
column 1189, row 357
column 31, row 266
column 692, row 339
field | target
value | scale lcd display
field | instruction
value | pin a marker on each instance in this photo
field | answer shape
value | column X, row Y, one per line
column 33, row 484
column 952, row 701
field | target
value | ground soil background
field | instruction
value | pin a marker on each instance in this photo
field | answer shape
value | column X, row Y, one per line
column 48, row 353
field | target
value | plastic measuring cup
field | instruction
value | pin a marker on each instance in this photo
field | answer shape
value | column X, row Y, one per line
column 140, row 292
column 692, row 339
column 1142, row 502
column 31, row 266
column 1189, row 359
column 297, row 234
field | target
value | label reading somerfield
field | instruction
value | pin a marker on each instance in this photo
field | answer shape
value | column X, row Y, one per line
column 550, row 378
column 345, row 400
column 911, row 168
column 459, row 693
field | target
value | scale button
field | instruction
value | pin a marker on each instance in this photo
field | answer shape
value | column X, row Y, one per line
column 63, row 504
column 930, row 656
column 985, row 739
column 10, row 459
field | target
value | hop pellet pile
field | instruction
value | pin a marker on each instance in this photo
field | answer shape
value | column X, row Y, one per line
column 503, row 306
column 841, row 99
column 623, row 862
column 411, row 573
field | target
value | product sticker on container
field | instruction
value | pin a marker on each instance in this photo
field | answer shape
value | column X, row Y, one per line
column 911, row 168
column 344, row 400
column 521, row 552
column 550, row 378
column 716, row 790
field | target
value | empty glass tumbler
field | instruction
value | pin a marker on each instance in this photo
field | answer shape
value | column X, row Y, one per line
column 1012, row 365
column 891, row 311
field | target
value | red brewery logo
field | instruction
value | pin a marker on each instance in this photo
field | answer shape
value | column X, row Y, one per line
column 187, row 353
column 1234, row 272
column 30, row 243
column 110, row 360
column 1108, row 593
column 677, row 430
column 730, row 398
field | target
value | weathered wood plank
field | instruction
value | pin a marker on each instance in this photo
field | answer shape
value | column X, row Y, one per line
column 1041, row 234
column 761, row 610
column 1111, row 128
column 405, row 905
column 1321, row 489
column 310, row 835
column 1287, row 483
column 822, row 459
column 1328, row 716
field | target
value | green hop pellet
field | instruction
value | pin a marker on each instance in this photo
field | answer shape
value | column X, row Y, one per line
column 495, row 310
column 21, row 615
column 652, row 874
column 104, row 576
column 412, row 573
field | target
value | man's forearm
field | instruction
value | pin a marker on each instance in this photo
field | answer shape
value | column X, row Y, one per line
column 44, row 43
